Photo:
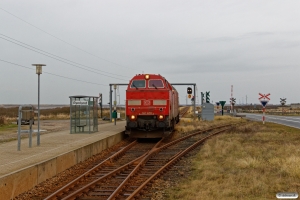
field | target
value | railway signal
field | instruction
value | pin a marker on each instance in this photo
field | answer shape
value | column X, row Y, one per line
column 217, row 103
column 202, row 97
column 222, row 104
column 207, row 97
column 232, row 101
column 283, row 101
column 189, row 90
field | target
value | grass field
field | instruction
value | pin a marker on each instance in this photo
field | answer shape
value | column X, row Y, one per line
column 9, row 115
column 253, row 161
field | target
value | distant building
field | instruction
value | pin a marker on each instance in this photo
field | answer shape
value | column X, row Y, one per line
column 295, row 105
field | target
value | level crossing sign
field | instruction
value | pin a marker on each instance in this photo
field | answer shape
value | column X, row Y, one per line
column 264, row 99
column 264, row 103
column 264, row 96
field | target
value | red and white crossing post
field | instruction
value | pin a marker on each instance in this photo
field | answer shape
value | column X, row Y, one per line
column 263, row 118
column 264, row 99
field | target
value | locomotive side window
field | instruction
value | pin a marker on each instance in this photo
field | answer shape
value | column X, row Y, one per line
column 156, row 83
column 138, row 84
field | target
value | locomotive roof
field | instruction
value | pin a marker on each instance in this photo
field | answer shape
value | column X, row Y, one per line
column 151, row 75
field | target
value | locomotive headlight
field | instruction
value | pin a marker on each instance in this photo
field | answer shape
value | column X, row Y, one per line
column 160, row 117
column 132, row 117
column 147, row 76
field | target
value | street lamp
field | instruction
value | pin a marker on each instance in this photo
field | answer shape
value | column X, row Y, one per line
column 38, row 72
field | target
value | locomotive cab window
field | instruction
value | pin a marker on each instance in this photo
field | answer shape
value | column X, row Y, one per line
column 156, row 84
column 138, row 84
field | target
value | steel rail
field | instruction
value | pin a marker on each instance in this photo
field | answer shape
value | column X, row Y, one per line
column 184, row 111
column 87, row 187
column 191, row 135
column 76, row 181
column 140, row 163
column 137, row 163
column 153, row 152
column 172, row 162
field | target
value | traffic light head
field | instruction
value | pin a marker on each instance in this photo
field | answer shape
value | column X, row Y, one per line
column 189, row 90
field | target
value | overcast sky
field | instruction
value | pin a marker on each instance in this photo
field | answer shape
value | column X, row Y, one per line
column 252, row 45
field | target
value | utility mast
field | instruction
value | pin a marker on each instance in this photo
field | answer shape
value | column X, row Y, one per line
column 231, row 99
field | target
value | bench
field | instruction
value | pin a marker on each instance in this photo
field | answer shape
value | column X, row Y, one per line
column 81, row 126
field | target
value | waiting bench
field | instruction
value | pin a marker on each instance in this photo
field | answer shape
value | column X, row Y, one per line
column 81, row 126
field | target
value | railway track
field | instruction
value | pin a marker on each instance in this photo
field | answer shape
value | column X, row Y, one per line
column 127, row 173
column 183, row 111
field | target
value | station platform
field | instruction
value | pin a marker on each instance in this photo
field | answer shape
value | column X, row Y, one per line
column 22, row 170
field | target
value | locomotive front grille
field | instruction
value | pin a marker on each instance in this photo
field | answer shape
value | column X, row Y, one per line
column 132, row 124
column 161, row 124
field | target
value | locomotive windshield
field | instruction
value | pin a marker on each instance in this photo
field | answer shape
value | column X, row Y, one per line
column 156, row 84
column 138, row 84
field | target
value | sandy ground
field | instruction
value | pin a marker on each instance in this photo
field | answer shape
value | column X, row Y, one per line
column 49, row 125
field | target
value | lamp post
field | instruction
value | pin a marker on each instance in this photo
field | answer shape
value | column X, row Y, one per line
column 38, row 72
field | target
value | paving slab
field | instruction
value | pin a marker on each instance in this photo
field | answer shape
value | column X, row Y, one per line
column 57, row 151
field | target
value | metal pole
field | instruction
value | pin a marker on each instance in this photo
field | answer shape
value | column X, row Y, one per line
column 19, row 128
column 263, row 118
column 72, row 117
column 30, row 133
column 194, row 100
column 231, row 98
column 115, row 101
column 186, row 100
column 38, row 133
column 38, row 72
column 110, row 103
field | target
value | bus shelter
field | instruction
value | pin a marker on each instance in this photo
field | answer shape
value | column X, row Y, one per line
column 83, row 114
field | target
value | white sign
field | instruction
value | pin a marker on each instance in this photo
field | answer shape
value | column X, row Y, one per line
column 82, row 103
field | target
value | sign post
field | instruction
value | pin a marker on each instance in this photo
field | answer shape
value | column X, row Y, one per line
column 100, row 104
column 283, row 102
column 115, row 105
column 264, row 99
column 222, row 104
column 232, row 102
column 217, row 103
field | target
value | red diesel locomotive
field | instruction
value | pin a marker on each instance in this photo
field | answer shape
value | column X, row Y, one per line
column 152, row 106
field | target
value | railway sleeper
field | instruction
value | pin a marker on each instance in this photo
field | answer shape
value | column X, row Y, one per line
column 100, row 193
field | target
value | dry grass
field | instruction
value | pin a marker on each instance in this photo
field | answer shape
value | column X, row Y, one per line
column 3, row 120
column 55, row 116
column 251, row 162
column 190, row 124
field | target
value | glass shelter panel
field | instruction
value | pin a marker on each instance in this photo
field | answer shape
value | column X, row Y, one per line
column 83, row 114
